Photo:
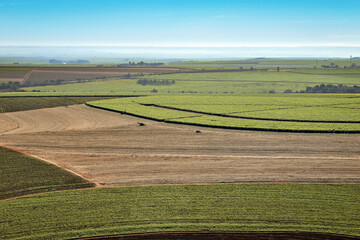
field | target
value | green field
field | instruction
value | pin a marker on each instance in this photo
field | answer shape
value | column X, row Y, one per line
column 21, row 175
column 331, row 208
column 14, row 104
column 230, row 83
column 264, row 63
column 233, row 99
column 277, row 112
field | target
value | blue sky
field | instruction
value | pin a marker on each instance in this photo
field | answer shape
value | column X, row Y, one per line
column 222, row 23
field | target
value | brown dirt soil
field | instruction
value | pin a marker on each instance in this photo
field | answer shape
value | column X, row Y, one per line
column 228, row 236
column 7, row 124
column 112, row 150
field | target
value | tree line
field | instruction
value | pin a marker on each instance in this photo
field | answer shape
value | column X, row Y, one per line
column 329, row 88
column 155, row 82
column 14, row 86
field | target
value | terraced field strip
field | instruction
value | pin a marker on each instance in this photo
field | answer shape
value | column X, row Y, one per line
column 21, row 175
column 295, row 113
column 320, row 208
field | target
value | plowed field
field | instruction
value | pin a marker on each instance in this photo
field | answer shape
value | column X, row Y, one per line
column 112, row 150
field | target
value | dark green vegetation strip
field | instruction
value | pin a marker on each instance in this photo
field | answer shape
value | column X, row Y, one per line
column 327, row 208
column 13, row 104
column 228, row 236
column 21, row 175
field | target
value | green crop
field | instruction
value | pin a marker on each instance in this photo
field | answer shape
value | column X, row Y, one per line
column 279, row 112
column 13, row 104
column 21, row 174
column 213, row 83
column 329, row 208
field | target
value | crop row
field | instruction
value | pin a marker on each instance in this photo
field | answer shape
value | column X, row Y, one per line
column 13, row 104
column 330, row 208
column 286, row 108
column 21, row 174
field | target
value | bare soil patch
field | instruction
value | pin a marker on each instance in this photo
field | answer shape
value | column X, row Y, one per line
column 113, row 150
column 229, row 236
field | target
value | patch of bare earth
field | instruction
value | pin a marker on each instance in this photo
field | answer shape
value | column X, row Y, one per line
column 112, row 150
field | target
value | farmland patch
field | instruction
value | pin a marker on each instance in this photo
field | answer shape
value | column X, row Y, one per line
column 298, row 113
column 210, row 83
column 21, row 174
column 113, row 150
column 321, row 208
column 14, row 104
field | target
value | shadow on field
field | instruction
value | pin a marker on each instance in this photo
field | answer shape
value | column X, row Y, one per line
column 229, row 236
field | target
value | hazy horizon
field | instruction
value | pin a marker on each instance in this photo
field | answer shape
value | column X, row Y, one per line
column 177, row 29
column 179, row 52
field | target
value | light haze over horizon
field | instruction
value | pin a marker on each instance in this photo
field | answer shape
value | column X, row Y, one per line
column 158, row 28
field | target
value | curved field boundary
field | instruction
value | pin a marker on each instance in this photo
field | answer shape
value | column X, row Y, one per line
column 223, row 127
column 240, row 117
column 227, row 236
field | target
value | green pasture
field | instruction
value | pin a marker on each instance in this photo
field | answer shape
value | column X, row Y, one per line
column 329, row 208
column 14, row 104
column 21, row 174
column 275, row 112
column 229, row 83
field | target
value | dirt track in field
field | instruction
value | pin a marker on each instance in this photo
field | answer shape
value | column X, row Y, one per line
column 112, row 150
